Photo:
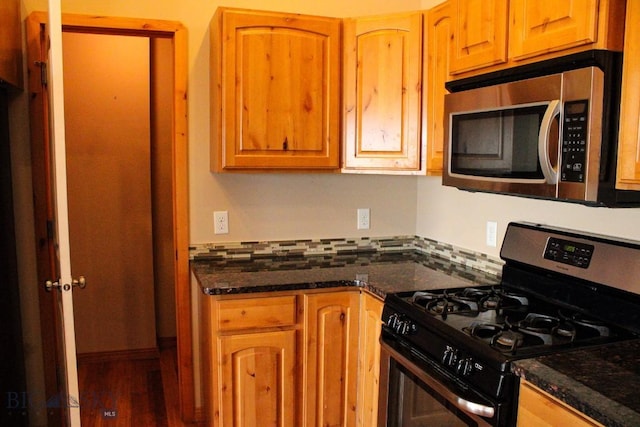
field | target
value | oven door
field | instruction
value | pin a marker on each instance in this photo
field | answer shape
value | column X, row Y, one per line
column 420, row 396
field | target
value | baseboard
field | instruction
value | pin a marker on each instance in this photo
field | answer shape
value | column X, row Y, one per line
column 167, row 342
column 112, row 356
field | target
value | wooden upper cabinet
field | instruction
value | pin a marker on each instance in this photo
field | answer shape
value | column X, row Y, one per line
column 382, row 93
column 542, row 26
column 275, row 91
column 628, row 177
column 437, row 42
column 10, row 43
column 480, row 34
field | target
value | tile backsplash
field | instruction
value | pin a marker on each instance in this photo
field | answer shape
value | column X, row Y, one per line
column 315, row 247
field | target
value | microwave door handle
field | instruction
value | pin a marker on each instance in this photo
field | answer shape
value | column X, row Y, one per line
column 550, row 175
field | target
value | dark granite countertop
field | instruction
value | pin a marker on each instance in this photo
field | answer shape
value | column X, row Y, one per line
column 378, row 272
column 601, row 382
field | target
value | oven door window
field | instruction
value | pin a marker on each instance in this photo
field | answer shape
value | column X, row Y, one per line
column 498, row 143
column 412, row 403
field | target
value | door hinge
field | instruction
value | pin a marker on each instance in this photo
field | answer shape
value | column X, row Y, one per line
column 43, row 72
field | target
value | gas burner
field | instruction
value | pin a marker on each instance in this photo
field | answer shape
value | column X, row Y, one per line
column 508, row 340
column 591, row 325
column 514, row 300
column 422, row 298
column 483, row 330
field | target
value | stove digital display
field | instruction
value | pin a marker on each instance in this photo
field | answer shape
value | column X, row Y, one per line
column 568, row 252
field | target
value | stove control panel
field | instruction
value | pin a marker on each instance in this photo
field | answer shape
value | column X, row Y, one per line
column 461, row 364
column 400, row 325
column 568, row 252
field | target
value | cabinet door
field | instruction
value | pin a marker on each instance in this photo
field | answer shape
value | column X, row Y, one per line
column 257, row 379
column 382, row 92
column 275, row 91
column 436, row 72
column 480, row 34
column 628, row 177
column 10, row 43
column 369, row 360
column 330, row 358
column 536, row 408
column 540, row 26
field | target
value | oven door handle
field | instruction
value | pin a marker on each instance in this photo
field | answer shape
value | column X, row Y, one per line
column 460, row 402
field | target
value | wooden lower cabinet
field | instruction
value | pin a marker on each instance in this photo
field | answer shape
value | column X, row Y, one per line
column 537, row 408
column 302, row 358
column 369, row 360
column 330, row 358
column 257, row 379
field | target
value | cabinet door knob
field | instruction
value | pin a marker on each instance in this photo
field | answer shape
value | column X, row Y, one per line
column 285, row 144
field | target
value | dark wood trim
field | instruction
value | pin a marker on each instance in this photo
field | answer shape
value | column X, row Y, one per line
column 167, row 342
column 178, row 33
column 112, row 356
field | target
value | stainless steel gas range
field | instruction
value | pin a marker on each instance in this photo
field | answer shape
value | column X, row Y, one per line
column 446, row 355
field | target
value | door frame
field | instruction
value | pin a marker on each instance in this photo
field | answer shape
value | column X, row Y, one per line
column 175, row 31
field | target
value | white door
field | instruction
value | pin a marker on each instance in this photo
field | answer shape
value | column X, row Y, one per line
column 69, row 398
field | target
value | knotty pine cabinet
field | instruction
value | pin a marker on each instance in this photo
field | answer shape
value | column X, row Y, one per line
column 438, row 34
column 10, row 43
column 496, row 34
column 628, row 175
column 369, row 360
column 249, row 360
column 537, row 409
column 480, row 34
column 382, row 90
column 539, row 27
column 304, row 358
column 330, row 358
column 275, row 91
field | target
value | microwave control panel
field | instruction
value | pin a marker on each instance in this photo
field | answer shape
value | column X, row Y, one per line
column 574, row 141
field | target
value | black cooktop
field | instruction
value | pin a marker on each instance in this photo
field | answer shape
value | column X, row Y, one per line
column 507, row 321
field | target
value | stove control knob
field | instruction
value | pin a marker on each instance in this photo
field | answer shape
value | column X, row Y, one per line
column 450, row 356
column 465, row 366
column 406, row 327
column 393, row 321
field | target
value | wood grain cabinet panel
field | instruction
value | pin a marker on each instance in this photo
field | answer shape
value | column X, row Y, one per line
column 382, row 93
column 628, row 177
column 539, row 409
column 480, row 34
column 275, row 91
column 330, row 358
column 10, row 43
column 437, row 42
column 257, row 379
column 542, row 26
column 369, row 360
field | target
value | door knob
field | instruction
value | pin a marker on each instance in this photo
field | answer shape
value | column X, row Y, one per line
column 80, row 282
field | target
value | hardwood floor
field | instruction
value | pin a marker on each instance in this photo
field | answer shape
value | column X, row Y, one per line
column 130, row 392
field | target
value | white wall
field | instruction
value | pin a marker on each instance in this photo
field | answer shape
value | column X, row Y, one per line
column 459, row 217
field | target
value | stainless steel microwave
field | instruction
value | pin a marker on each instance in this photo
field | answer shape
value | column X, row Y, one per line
column 545, row 130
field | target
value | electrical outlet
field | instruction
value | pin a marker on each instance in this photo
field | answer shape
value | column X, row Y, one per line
column 221, row 222
column 492, row 233
column 363, row 218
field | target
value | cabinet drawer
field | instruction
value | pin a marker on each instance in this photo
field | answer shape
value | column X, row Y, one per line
column 256, row 313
